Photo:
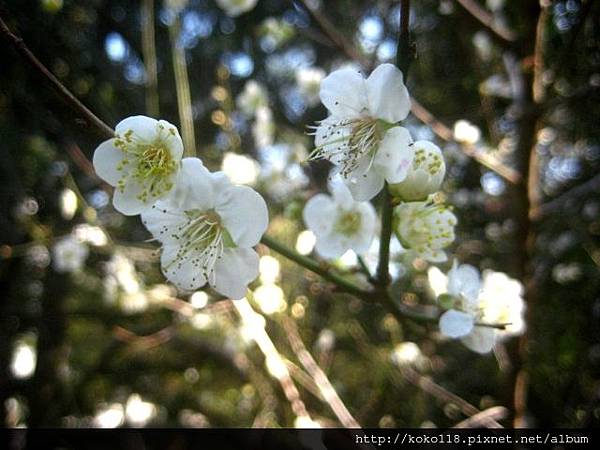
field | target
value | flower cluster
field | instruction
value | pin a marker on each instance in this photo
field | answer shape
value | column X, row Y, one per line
column 475, row 308
column 207, row 226
column 362, row 138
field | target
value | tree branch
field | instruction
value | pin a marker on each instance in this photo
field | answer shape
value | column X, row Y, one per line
column 488, row 20
column 88, row 116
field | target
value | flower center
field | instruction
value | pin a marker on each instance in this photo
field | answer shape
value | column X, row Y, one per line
column 347, row 141
column 348, row 223
column 150, row 163
column 427, row 161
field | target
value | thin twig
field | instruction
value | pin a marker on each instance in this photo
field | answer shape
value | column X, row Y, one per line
column 325, row 387
column 274, row 361
column 479, row 420
column 443, row 394
column 149, row 51
column 488, row 20
column 88, row 116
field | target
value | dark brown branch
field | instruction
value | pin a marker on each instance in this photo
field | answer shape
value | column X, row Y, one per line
column 88, row 116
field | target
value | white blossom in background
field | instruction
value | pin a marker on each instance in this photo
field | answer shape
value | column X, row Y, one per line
column 90, row 234
column 253, row 96
column 305, row 243
column 68, row 203
column 270, row 298
column 339, row 222
column 469, row 301
column 207, row 227
column 425, row 228
column 141, row 161
column 466, row 132
column 234, row 8
column 360, row 136
column 425, row 175
column 139, row 412
column 240, row 169
column 408, row 354
column 501, row 300
column 24, row 359
column 281, row 174
column 109, row 416
column 68, row 255
column 309, row 80
column 263, row 127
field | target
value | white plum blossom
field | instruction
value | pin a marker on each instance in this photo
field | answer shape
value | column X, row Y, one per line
column 425, row 228
column 252, row 97
column 240, row 169
column 466, row 132
column 309, row 80
column 339, row 222
column 68, row 254
column 472, row 305
column 141, row 161
column 360, row 136
column 207, row 227
column 501, row 299
column 234, row 8
column 425, row 174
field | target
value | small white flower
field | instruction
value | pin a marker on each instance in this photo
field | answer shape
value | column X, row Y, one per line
column 252, row 97
column 309, row 83
column 360, row 135
column 340, row 223
column 69, row 255
column 207, row 228
column 425, row 175
column 235, row 8
column 141, row 161
column 496, row 301
column 425, row 228
column 501, row 300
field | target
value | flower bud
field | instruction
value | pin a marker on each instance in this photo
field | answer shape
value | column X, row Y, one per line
column 425, row 175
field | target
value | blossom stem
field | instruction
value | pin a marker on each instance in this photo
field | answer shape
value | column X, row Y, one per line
column 404, row 56
column 312, row 265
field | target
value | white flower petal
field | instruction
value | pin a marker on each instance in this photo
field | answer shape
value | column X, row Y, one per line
column 438, row 281
column 332, row 139
column 395, row 155
column 235, row 270
column 244, row 214
column 387, row 96
column 480, row 340
column 181, row 271
column 127, row 201
column 162, row 221
column 343, row 92
column 172, row 139
column 364, row 237
column 193, row 187
column 332, row 245
column 106, row 159
column 367, row 186
column 144, row 128
column 340, row 192
column 464, row 281
column 456, row 324
column 318, row 214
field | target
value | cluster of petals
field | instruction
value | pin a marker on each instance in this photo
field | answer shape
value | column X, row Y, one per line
column 340, row 223
column 207, row 226
column 474, row 308
column 141, row 162
column 425, row 228
column 361, row 136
